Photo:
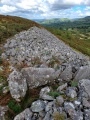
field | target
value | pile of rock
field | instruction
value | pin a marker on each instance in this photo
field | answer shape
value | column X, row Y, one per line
column 38, row 43
column 32, row 77
column 49, row 60
column 72, row 104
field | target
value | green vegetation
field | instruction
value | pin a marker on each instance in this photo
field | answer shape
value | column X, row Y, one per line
column 64, row 23
column 52, row 21
column 74, row 83
column 54, row 94
column 58, row 116
column 75, row 38
column 76, row 32
column 11, row 25
column 13, row 105
column 16, row 107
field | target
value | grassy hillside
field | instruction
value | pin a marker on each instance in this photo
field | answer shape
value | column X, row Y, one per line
column 52, row 21
column 10, row 25
column 64, row 23
column 76, row 33
column 75, row 38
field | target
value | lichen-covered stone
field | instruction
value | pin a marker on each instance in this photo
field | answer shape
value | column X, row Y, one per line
column 25, row 115
column 84, row 88
column 38, row 106
column 38, row 76
column 83, row 73
column 17, row 85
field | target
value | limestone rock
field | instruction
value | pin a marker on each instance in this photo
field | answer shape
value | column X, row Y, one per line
column 44, row 94
column 38, row 76
column 83, row 73
column 17, row 85
column 2, row 112
column 38, row 106
column 26, row 45
column 44, row 90
column 66, row 75
column 49, row 106
column 62, row 87
column 69, row 108
column 70, row 92
column 84, row 87
column 87, row 114
column 60, row 100
column 25, row 115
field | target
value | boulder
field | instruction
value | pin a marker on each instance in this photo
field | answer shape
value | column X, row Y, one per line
column 62, row 87
column 25, row 115
column 83, row 73
column 2, row 112
column 38, row 106
column 44, row 94
column 45, row 91
column 66, row 75
column 84, row 88
column 49, row 106
column 78, row 115
column 69, row 108
column 17, row 85
column 87, row 114
column 71, row 92
column 47, row 116
column 60, row 100
column 38, row 76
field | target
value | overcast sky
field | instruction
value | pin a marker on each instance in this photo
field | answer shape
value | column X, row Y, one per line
column 40, row 9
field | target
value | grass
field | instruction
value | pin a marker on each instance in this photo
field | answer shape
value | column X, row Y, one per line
column 11, row 25
column 74, row 83
column 13, row 105
column 54, row 94
column 58, row 116
column 74, row 38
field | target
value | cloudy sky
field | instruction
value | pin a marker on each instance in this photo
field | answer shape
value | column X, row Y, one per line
column 40, row 9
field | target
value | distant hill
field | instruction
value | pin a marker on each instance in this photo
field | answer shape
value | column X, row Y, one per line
column 11, row 25
column 74, row 32
column 52, row 21
column 65, row 23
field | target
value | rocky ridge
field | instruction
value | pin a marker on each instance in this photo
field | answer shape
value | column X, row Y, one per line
column 38, row 58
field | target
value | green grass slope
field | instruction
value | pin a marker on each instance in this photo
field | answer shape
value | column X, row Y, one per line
column 76, row 33
column 11, row 25
column 75, row 38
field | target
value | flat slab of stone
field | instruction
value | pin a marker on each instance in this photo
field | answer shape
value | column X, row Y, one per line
column 38, row 76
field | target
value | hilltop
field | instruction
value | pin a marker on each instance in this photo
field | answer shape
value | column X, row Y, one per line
column 65, row 23
column 52, row 21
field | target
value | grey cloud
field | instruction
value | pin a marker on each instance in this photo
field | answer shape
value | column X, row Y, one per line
column 61, row 4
